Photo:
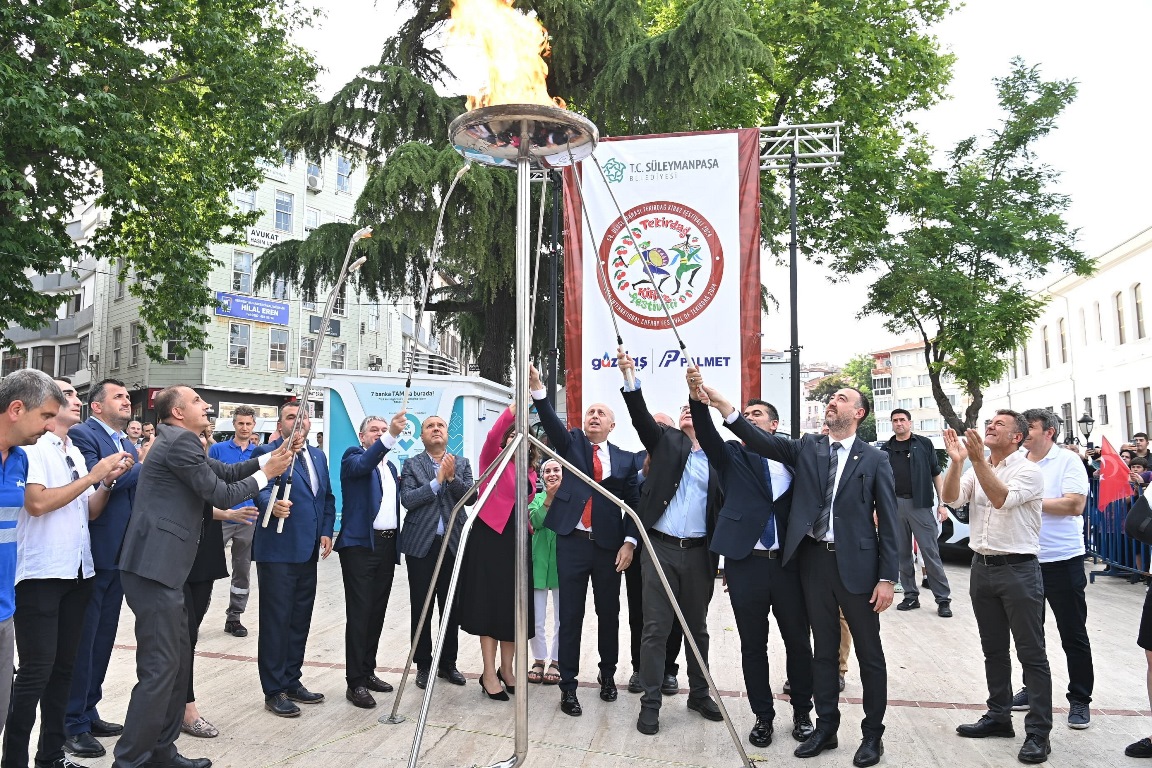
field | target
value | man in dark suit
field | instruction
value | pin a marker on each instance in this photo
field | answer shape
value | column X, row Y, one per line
column 678, row 508
column 176, row 483
column 847, row 562
column 370, row 491
column 286, row 569
column 750, row 533
column 594, row 542
column 431, row 483
column 102, row 435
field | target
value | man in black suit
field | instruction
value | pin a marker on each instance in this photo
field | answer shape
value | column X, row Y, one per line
column 847, row 562
column 678, row 508
column 750, row 533
column 176, row 483
column 593, row 540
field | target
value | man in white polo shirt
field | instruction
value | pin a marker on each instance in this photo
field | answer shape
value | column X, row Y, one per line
column 53, row 580
column 1062, row 558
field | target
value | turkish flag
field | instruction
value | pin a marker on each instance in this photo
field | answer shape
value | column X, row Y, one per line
column 1113, row 476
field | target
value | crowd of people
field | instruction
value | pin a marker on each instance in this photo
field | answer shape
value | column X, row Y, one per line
column 818, row 532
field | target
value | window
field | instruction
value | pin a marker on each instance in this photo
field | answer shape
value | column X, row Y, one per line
column 1063, row 341
column 1047, row 357
column 338, row 350
column 905, row 403
column 1099, row 323
column 1138, row 306
column 311, row 218
column 927, row 402
column 881, row 385
column 289, row 159
column 906, row 358
column 117, row 343
column 242, row 271
column 1024, row 359
column 172, row 351
column 239, row 340
column 929, row 424
column 904, row 381
column 314, row 168
column 308, row 306
column 1146, row 396
column 1015, row 367
column 245, row 200
column 1066, row 414
column 1126, row 405
column 924, row 380
column 954, row 400
column 341, row 300
column 12, row 361
column 343, row 174
column 134, row 344
column 307, row 353
column 1088, row 406
column 70, row 360
column 1102, row 403
column 374, row 318
column 120, row 267
column 280, row 289
column 44, row 359
column 278, row 350
column 284, row 205
column 883, row 404
column 1083, row 328
column 1118, row 305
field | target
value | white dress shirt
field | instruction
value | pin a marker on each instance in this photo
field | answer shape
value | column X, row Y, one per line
column 387, row 518
column 55, row 545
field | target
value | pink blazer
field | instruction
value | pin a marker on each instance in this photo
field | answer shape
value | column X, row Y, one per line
column 498, row 508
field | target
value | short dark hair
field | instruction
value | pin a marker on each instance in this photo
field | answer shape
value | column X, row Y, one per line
column 166, row 400
column 772, row 412
column 1140, row 434
column 243, row 410
column 289, row 404
column 864, row 403
column 31, row 387
column 97, row 392
column 901, row 410
column 1138, row 460
column 1021, row 423
column 1048, row 420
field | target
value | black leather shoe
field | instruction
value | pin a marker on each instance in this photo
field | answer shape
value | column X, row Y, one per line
column 235, row 628
column 608, row 690
column 670, row 686
column 179, row 761
column 421, row 679
column 706, row 707
column 819, row 741
column 944, row 609
column 802, row 727
column 634, row 684
column 871, row 748
column 761, row 733
column 360, row 697
column 279, row 705
column 304, row 696
column 569, row 704
column 985, row 727
column 84, row 745
column 649, row 721
column 1035, row 750
column 908, row 604
column 452, row 675
column 103, row 728
column 374, row 683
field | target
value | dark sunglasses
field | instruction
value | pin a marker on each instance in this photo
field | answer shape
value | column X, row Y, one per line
column 72, row 466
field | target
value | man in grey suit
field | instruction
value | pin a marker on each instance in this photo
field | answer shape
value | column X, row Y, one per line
column 431, row 483
column 177, row 486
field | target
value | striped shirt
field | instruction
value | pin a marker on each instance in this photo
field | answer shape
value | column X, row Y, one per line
column 13, row 475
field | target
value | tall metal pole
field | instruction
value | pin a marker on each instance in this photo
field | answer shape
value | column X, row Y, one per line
column 793, row 292
column 554, row 285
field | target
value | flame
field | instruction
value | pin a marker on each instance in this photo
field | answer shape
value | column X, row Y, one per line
column 511, row 46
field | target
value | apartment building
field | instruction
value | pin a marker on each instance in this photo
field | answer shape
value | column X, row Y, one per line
column 900, row 380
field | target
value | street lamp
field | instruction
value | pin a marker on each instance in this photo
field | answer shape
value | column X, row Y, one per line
column 1086, row 423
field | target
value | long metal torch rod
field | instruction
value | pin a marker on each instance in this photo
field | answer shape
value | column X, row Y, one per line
column 569, row 467
column 501, row 461
column 284, row 484
column 539, row 254
column 515, row 444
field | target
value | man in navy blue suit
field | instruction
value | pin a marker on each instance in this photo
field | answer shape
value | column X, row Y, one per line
column 286, row 570
column 593, row 541
column 367, row 545
column 100, row 436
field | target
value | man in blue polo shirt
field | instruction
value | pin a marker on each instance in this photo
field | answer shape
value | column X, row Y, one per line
column 29, row 402
column 234, row 451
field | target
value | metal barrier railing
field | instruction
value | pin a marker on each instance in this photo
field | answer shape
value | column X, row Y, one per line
column 1107, row 543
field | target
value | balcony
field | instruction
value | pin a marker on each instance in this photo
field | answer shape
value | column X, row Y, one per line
column 18, row 335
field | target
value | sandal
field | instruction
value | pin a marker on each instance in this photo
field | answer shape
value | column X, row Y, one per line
column 536, row 673
column 201, row 729
column 550, row 677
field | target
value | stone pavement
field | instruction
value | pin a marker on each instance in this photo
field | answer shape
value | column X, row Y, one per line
column 935, row 669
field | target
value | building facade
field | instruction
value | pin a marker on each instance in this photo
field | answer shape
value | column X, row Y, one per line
column 900, row 380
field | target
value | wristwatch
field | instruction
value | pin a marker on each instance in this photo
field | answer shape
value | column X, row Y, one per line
column 110, row 487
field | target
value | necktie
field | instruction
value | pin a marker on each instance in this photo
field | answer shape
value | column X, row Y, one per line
column 768, row 537
column 597, row 475
column 820, row 528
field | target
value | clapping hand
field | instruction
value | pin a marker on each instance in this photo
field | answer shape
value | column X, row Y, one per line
column 447, row 469
column 955, row 449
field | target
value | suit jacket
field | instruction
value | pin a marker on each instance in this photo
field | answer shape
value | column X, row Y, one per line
column 609, row 523
column 361, row 495
column 313, row 514
column 747, row 502
column 426, row 507
column 865, row 553
column 668, row 449
column 176, row 483
column 107, row 531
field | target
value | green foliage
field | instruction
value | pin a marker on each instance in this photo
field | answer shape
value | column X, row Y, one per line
column 158, row 110
column 980, row 229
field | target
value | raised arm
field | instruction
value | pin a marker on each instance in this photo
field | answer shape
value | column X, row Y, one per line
column 706, row 433
column 557, row 432
column 492, row 444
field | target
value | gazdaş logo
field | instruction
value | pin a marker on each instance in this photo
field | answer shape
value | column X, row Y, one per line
column 614, row 171
column 607, row 361
column 672, row 254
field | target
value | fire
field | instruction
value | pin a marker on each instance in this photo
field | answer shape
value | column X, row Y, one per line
column 511, row 47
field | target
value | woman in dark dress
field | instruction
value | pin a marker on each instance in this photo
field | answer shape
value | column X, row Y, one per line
column 487, row 600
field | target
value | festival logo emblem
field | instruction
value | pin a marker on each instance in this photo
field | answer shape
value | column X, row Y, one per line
column 672, row 252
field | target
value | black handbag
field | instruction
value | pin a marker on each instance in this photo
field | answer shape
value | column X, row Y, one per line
column 1138, row 524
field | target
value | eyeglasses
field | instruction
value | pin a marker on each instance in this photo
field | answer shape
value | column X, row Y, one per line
column 72, row 466
column 685, row 408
